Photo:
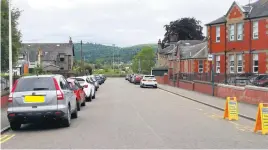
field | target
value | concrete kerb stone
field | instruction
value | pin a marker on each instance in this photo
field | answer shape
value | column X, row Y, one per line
column 5, row 129
column 213, row 106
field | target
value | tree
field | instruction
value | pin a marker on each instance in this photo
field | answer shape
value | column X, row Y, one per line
column 145, row 59
column 16, row 35
column 185, row 29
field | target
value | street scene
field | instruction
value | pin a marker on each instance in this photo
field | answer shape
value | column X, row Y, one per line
column 98, row 74
column 140, row 118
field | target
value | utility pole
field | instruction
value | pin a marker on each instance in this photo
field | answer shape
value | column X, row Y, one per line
column 82, row 63
column 10, row 48
column 113, row 55
column 139, row 66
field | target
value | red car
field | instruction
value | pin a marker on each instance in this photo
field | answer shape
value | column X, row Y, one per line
column 79, row 92
column 137, row 79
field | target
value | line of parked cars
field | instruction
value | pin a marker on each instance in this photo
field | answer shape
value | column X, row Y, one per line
column 142, row 80
column 250, row 79
column 50, row 97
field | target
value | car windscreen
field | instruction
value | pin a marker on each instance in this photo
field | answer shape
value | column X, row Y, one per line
column 80, row 80
column 35, row 84
column 149, row 77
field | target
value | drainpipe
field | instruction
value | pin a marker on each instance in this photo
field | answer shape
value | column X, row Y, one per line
column 225, row 53
column 250, row 46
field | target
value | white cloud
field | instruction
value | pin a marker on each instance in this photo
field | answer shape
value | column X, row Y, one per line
column 123, row 22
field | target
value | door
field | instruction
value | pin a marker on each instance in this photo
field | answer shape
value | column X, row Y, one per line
column 72, row 95
column 66, row 92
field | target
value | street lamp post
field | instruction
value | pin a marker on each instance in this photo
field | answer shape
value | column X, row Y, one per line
column 10, row 48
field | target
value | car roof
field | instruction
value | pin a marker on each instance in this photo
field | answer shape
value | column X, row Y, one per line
column 70, row 79
column 35, row 76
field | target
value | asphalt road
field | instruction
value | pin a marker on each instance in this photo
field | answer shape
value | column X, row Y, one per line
column 126, row 116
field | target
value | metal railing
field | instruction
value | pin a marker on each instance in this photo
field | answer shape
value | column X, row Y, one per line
column 232, row 79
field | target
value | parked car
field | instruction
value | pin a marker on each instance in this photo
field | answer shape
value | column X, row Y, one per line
column 79, row 93
column 42, row 97
column 99, row 79
column 89, row 88
column 127, row 76
column 132, row 78
column 103, row 77
column 148, row 81
column 263, row 82
column 255, row 79
column 137, row 79
column 93, row 80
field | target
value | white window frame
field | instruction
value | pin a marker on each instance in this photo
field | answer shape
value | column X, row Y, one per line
column 239, row 62
column 255, row 30
column 232, row 32
column 232, row 64
column 255, row 58
column 218, row 64
column 218, row 34
column 200, row 69
column 240, row 28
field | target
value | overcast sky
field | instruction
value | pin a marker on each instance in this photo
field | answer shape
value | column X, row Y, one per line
column 120, row 22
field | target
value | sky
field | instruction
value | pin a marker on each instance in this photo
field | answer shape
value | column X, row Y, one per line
column 119, row 22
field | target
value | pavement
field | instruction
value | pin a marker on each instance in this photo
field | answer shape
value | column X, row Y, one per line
column 125, row 116
column 248, row 111
column 4, row 120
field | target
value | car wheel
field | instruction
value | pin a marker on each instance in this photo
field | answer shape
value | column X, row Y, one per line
column 75, row 113
column 78, row 106
column 15, row 125
column 94, row 96
column 84, row 103
column 155, row 87
column 89, row 99
column 67, row 121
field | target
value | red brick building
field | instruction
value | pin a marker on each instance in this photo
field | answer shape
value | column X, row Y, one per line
column 242, row 36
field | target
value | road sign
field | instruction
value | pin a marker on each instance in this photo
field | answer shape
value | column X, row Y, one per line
column 210, row 57
column 231, row 109
column 262, row 119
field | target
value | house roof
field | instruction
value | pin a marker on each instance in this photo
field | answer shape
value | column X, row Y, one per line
column 255, row 10
column 49, row 50
column 199, row 50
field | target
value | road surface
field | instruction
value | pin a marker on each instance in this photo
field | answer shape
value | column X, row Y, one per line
column 126, row 116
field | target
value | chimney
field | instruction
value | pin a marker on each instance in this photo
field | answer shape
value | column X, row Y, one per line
column 173, row 38
column 70, row 41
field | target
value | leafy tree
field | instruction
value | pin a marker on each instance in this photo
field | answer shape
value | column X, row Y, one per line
column 16, row 35
column 145, row 59
column 185, row 29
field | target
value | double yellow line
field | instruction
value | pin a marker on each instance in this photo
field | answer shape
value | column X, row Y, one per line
column 6, row 137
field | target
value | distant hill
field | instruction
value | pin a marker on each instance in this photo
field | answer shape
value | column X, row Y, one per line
column 93, row 52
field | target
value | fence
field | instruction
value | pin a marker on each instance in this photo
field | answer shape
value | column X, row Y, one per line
column 231, row 79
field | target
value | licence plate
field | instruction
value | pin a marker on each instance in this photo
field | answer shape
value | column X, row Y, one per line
column 34, row 99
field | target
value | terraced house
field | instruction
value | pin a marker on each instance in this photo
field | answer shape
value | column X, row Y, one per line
column 239, row 39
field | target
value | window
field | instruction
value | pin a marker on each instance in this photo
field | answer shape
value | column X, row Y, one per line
column 218, row 34
column 35, row 84
column 255, row 63
column 255, row 33
column 218, row 64
column 231, row 63
column 239, row 63
column 231, row 33
column 240, row 31
column 200, row 66
column 61, row 57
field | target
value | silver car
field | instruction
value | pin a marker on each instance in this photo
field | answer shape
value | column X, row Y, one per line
column 44, row 97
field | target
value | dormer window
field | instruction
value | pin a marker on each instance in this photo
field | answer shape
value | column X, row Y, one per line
column 62, row 57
